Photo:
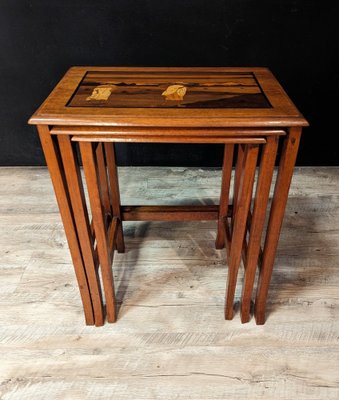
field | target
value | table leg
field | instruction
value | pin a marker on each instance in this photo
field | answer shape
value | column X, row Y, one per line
column 224, row 194
column 92, row 179
column 115, row 193
column 286, row 166
column 268, row 157
column 102, row 174
column 242, row 204
column 237, row 177
column 77, row 197
column 52, row 156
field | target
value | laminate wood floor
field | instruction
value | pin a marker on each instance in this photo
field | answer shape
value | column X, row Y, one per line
column 171, row 340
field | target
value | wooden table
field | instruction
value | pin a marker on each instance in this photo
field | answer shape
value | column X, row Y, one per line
column 243, row 108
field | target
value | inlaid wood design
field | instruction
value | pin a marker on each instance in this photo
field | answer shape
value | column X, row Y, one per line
column 175, row 92
column 101, row 92
column 188, row 89
column 215, row 97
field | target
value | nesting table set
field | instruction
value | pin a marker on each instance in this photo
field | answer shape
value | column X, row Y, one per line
column 245, row 109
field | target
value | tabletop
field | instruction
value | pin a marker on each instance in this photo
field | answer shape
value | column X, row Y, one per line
column 162, row 97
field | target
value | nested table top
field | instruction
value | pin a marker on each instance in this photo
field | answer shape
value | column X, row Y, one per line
column 168, row 97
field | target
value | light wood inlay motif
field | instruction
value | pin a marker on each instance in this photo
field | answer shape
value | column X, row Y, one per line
column 101, row 92
column 175, row 92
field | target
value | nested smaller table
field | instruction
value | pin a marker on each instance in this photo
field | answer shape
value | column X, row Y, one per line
column 245, row 109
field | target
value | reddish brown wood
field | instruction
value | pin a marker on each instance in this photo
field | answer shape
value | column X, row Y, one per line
column 103, row 187
column 228, row 235
column 77, row 197
column 54, row 164
column 91, row 174
column 112, row 236
column 126, row 131
column 224, row 194
column 115, row 193
column 249, row 157
column 170, row 213
column 242, row 106
column 56, row 110
column 286, row 166
column 244, row 249
column 257, row 223
column 184, row 89
column 167, row 139
column 237, row 177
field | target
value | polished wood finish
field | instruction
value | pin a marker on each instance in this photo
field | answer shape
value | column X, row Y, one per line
column 243, row 108
column 115, row 194
column 256, row 223
column 169, row 131
column 85, row 237
column 168, row 139
column 103, row 181
column 55, row 110
column 224, row 194
column 244, row 196
column 53, row 162
column 169, row 89
column 92, row 179
column 170, row 213
column 237, row 178
column 287, row 162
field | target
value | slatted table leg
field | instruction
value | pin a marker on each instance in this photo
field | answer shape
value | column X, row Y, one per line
column 52, row 155
column 237, row 176
column 286, row 166
column 77, row 196
column 257, row 222
column 92, row 179
column 242, row 204
column 104, row 188
column 224, row 194
column 115, row 193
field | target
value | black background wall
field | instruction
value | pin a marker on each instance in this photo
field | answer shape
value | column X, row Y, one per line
column 40, row 40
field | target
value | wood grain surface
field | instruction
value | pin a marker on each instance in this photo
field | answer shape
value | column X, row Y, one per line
column 190, row 89
column 168, row 97
column 171, row 341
